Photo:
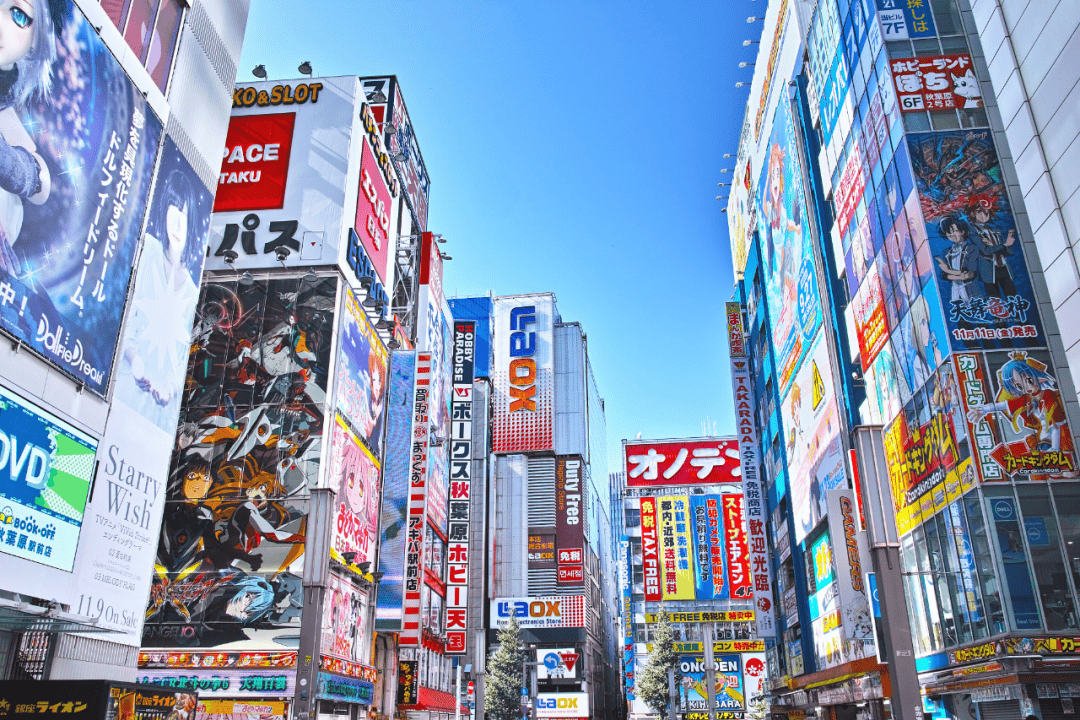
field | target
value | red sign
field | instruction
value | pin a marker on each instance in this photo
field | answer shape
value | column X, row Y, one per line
column 738, row 553
column 571, row 575
column 255, row 164
column 569, row 660
column 871, row 325
column 650, row 550
column 942, row 82
column 850, row 188
column 682, row 462
column 373, row 212
column 736, row 336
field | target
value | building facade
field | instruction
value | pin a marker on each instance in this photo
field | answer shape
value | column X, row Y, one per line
column 115, row 122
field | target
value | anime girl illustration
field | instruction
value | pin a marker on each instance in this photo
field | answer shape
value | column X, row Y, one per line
column 781, row 251
column 157, row 338
column 28, row 34
column 1029, row 398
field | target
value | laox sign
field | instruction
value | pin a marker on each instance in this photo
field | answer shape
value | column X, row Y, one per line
column 534, row 609
column 522, row 366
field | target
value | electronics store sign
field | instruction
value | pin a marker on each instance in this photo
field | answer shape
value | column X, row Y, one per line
column 562, row 705
column 553, row 611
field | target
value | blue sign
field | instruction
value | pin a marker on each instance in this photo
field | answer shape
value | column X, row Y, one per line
column 339, row 687
column 551, row 662
column 903, row 20
column 524, row 692
column 875, row 604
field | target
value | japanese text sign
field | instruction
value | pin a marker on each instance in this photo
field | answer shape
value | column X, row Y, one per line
column 707, row 461
column 941, row 82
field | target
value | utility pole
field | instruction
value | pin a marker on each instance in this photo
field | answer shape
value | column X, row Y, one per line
column 457, row 694
column 673, row 693
column 710, row 668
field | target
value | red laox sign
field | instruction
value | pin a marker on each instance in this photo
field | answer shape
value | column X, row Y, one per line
column 682, row 462
column 414, row 539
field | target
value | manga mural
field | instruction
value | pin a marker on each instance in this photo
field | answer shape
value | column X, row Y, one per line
column 354, row 476
column 1015, row 416
column 154, row 350
column 978, row 262
column 361, row 375
column 787, row 247
column 230, row 559
column 77, row 150
column 342, row 617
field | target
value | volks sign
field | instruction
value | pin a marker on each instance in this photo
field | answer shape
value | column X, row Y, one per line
column 552, row 611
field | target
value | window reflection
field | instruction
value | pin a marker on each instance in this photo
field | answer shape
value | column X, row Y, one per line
column 1045, row 546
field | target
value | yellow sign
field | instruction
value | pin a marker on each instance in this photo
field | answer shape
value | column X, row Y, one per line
column 699, row 617
column 724, row 646
column 676, row 550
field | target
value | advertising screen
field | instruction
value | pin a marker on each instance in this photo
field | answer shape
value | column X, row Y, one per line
column 361, row 375
column 523, row 376
column 79, row 148
column 706, row 461
column 981, row 273
column 47, row 465
column 285, row 166
column 788, row 263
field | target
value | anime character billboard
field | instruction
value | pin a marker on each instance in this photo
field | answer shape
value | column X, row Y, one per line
column 1015, row 416
column 787, row 249
column 342, row 618
column 982, row 276
column 354, row 475
column 361, row 375
column 154, row 350
column 77, row 148
column 230, row 556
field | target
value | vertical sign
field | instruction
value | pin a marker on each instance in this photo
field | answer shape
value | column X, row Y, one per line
column 569, row 532
column 675, row 544
column 737, row 550
column 457, row 569
column 847, row 557
column 650, row 555
column 765, row 615
column 524, row 373
column 414, row 537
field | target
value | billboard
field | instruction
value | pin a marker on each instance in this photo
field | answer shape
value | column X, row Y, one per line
column 738, row 553
column 812, row 438
column 871, row 324
column 981, row 272
column 79, row 149
column 849, row 551
column 361, row 375
column 416, row 525
column 569, row 521
column 372, row 222
column 650, row 549
column 343, row 616
column 941, row 82
column 48, row 465
column 1015, row 416
column 392, row 520
column 461, row 452
column 788, row 265
column 675, row 548
column 550, row 611
column 710, row 563
column 562, row 705
column 523, row 376
column 354, row 477
column 730, row 696
column 281, row 193
column 704, row 461
column 903, row 21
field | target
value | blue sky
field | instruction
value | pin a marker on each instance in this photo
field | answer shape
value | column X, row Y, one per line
column 573, row 147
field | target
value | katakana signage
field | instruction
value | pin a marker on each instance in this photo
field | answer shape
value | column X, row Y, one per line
column 942, row 82
column 415, row 530
column 705, row 461
column 457, row 569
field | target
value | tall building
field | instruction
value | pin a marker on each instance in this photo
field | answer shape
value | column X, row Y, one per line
column 907, row 355
column 115, row 119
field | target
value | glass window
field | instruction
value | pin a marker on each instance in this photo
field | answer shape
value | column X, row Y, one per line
column 945, row 120
column 973, row 118
column 1067, row 499
column 929, row 589
column 1045, row 545
column 969, row 574
column 115, row 9
column 926, row 47
column 916, row 122
column 954, row 45
column 163, row 43
column 1005, row 521
column 984, row 561
column 946, row 17
column 140, row 26
column 950, row 616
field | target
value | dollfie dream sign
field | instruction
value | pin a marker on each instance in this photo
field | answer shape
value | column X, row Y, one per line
column 77, row 148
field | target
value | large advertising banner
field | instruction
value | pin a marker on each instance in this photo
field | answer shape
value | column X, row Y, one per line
column 248, row 448
column 981, row 272
column 361, row 375
column 523, row 379
column 738, row 553
column 942, row 82
column 788, row 263
column 1015, row 416
column 392, row 520
column 416, row 527
column 848, row 556
column 812, row 438
column 650, row 549
column 460, row 508
column 730, row 696
column 871, row 324
column 549, row 611
column 342, row 619
column 372, row 223
column 354, row 477
column 48, row 465
column 704, row 461
column 710, row 572
column 569, row 521
column 281, row 193
column 78, row 151
column 675, row 548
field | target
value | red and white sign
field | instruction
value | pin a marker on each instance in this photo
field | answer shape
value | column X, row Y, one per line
column 569, row 520
column 523, row 375
column 414, row 538
column 941, row 82
column 650, row 550
column 373, row 212
column 738, row 554
column 556, row 663
column 850, row 188
column 255, row 163
column 735, row 333
column 457, row 569
column 707, row 461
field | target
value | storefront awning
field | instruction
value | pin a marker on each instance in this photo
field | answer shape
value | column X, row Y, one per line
column 434, row 701
column 24, row 617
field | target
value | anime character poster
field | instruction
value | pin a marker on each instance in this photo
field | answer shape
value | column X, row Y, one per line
column 395, row 490
column 812, row 438
column 728, row 689
column 342, row 618
column 230, row 557
column 1015, row 416
column 787, row 249
column 871, row 326
column 980, row 268
column 77, row 155
column 361, row 375
column 157, row 336
column 354, row 476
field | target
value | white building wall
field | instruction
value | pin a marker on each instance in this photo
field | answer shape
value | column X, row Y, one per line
column 1033, row 55
column 510, row 536
column 570, row 427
